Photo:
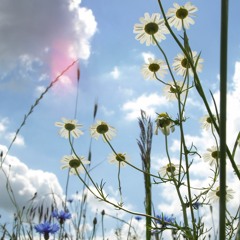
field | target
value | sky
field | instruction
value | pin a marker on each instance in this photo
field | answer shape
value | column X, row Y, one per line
column 39, row 39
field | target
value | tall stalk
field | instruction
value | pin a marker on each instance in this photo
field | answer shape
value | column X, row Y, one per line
column 223, row 109
column 145, row 145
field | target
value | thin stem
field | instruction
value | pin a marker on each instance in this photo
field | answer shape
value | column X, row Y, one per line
column 117, row 206
column 235, row 145
column 187, row 168
column 123, row 160
column 177, row 186
column 119, row 181
column 103, row 213
column 86, row 171
column 165, row 57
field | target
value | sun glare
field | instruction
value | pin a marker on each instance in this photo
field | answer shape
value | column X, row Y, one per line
column 61, row 58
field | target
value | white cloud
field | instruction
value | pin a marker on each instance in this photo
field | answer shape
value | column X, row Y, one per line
column 43, row 77
column 3, row 124
column 147, row 55
column 233, row 104
column 18, row 141
column 65, row 82
column 39, row 90
column 61, row 27
column 149, row 103
column 198, row 141
column 195, row 103
column 236, row 81
column 10, row 135
column 125, row 91
column 115, row 73
column 44, row 24
column 106, row 111
column 25, row 182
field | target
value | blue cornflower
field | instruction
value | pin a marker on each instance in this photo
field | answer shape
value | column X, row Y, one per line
column 168, row 219
column 138, row 218
column 70, row 200
column 164, row 220
column 62, row 216
column 46, row 228
column 196, row 205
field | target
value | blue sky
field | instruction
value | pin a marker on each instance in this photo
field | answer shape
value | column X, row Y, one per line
column 39, row 41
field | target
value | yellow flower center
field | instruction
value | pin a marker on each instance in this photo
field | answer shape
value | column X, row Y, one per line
column 182, row 13
column 164, row 123
column 175, row 89
column 215, row 154
column 74, row 163
column 170, row 168
column 163, row 120
column 102, row 128
column 209, row 120
column 218, row 191
column 151, row 28
column 120, row 157
column 162, row 115
column 154, row 67
column 185, row 63
column 69, row 126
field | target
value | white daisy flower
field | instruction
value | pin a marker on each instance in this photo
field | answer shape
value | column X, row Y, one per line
column 171, row 90
column 169, row 170
column 215, row 194
column 118, row 159
column 164, row 123
column 101, row 128
column 69, row 126
column 181, row 16
column 181, row 65
column 212, row 155
column 149, row 26
column 154, row 67
column 74, row 163
column 207, row 122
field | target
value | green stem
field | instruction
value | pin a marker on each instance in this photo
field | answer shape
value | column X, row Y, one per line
column 119, row 182
column 86, row 171
column 235, row 145
column 187, row 172
column 140, row 170
column 222, row 124
column 148, row 203
column 177, row 186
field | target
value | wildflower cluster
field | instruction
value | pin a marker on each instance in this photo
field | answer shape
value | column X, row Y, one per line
column 46, row 228
column 178, row 79
column 99, row 129
column 189, row 173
